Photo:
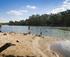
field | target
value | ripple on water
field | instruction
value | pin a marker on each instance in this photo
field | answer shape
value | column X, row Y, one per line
column 63, row 48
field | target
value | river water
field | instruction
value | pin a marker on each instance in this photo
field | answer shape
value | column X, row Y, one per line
column 62, row 48
column 48, row 31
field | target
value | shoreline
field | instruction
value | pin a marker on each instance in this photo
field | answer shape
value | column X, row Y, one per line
column 27, row 45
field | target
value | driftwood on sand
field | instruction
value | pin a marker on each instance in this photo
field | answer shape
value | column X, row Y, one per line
column 5, row 46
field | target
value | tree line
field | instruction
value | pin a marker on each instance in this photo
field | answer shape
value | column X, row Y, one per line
column 59, row 19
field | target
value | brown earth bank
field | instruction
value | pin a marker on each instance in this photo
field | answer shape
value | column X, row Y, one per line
column 26, row 45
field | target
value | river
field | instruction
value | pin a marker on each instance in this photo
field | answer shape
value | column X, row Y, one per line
column 48, row 31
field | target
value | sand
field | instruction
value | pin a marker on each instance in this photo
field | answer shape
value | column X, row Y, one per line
column 27, row 45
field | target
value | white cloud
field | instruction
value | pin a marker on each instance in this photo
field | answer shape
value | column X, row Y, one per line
column 20, row 12
column 17, row 12
column 31, row 7
column 63, row 7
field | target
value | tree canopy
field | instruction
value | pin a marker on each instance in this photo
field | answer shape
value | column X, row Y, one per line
column 59, row 19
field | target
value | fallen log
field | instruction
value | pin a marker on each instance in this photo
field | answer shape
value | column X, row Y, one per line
column 5, row 46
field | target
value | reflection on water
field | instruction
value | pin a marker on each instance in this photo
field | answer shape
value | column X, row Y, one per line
column 49, row 31
column 62, row 47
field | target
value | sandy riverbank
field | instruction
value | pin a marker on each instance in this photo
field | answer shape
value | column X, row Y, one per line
column 27, row 45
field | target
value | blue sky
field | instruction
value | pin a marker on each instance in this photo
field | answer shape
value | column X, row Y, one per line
column 22, row 9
